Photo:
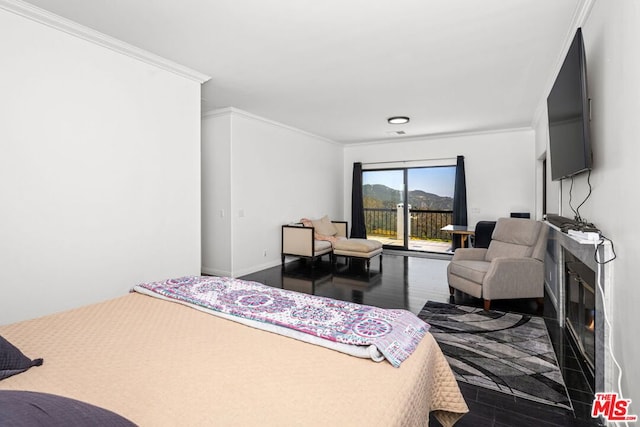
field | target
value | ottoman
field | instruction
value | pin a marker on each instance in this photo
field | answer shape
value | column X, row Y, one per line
column 358, row 248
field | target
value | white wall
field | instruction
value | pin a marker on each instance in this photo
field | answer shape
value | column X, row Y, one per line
column 277, row 175
column 217, row 243
column 611, row 34
column 99, row 171
column 499, row 171
column 541, row 128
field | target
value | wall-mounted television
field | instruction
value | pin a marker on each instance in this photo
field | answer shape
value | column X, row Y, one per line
column 568, row 109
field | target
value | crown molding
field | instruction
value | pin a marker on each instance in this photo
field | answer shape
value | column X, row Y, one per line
column 218, row 112
column 436, row 136
column 52, row 20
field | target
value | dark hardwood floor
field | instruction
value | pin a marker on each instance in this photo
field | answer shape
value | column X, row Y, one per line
column 409, row 282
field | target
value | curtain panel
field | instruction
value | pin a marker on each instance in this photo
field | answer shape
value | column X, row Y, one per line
column 459, row 201
column 358, row 229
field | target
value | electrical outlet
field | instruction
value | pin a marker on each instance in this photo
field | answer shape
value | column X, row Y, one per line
column 264, row 254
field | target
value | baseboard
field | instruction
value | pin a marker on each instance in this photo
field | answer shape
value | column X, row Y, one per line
column 225, row 273
column 255, row 268
column 206, row 271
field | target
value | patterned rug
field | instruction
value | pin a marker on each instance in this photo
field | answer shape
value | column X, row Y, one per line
column 507, row 352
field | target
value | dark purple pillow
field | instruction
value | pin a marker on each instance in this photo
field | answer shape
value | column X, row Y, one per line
column 12, row 361
column 27, row 408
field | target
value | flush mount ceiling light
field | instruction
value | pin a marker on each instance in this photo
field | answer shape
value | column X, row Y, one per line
column 398, row 120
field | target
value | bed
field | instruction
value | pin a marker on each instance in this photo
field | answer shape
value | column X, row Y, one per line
column 157, row 362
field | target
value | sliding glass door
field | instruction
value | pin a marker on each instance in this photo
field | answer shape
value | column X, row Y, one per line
column 405, row 208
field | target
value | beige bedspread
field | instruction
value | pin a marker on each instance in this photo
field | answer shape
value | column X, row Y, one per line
column 160, row 363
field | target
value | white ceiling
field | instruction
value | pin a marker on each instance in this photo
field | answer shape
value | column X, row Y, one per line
column 339, row 68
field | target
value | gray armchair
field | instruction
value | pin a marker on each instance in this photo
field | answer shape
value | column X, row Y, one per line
column 511, row 267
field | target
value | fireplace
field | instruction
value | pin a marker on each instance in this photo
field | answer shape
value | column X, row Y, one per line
column 580, row 311
column 577, row 281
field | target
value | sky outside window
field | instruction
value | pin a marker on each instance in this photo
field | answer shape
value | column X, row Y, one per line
column 438, row 180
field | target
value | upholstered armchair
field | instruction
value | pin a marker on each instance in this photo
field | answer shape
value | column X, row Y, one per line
column 511, row 267
column 312, row 241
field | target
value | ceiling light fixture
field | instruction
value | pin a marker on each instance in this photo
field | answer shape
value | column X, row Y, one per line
column 398, row 120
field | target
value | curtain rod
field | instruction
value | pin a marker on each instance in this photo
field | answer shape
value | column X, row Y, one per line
column 409, row 161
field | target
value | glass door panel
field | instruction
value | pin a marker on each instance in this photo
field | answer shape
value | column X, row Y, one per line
column 383, row 194
column 430, row 198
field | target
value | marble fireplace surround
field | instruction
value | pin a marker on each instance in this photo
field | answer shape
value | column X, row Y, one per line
column 556, row 287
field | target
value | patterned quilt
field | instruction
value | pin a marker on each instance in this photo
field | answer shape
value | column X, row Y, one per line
column 394, row 333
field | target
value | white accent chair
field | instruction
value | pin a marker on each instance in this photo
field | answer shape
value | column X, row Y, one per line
column 309, row 242
column 299, row 241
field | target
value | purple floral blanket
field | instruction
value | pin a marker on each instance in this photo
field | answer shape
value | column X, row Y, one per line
column 394, row 333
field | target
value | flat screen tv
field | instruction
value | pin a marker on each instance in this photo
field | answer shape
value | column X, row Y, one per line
column 568, row 109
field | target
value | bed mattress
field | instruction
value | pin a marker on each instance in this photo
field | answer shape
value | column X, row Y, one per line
column 160, row 363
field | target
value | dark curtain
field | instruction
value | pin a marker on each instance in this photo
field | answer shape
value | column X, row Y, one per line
column 459, row 201
column 358, row 229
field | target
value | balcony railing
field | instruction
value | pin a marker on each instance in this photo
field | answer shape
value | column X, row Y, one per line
column 424, row 224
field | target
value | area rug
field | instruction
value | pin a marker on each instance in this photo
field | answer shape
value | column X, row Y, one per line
column 507, row 352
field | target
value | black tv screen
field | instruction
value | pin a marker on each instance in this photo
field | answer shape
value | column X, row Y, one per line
column 568, row 109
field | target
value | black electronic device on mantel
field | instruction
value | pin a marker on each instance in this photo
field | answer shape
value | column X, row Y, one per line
column 569, row 115
column 565, row 224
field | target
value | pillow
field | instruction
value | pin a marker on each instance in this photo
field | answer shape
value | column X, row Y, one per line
column 27, row 408
column 12, row 361
column 324, row 226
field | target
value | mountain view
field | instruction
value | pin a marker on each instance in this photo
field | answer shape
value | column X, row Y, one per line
column 381, row 196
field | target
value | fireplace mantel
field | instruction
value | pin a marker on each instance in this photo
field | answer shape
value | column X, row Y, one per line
column 555, row 286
